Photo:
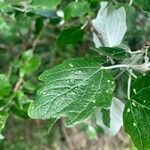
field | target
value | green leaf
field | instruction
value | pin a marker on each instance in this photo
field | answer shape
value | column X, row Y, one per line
column 49, row 4
column 30, row 63
column 75, row 9
column 141, row 83
column 137, row 114
column 114, row 52
column 20, row 112
column 39, row 25
column 4, row 6
column 70, row 35
column 109, row 26
column 29, row 86
column 73, row 89
column 145, row 4
column 3, row 118
column 106, row 117
column 5, row 86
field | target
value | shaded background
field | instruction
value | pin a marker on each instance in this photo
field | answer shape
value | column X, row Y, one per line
column 21, row 31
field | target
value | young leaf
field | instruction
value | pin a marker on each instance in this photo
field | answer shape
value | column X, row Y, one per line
column 73, row 89
column 5, row 86
column 115, row 117
column 30, row 63
column 109, row 26
column 137, row 114
column 75, row 9
column 70, row 35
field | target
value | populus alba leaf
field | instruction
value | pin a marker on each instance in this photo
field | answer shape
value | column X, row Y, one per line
column 109, row 26
column 73, row 89
column 29, row 63
column 70, row 35
column 5, row 86
column 114, row 52
column 114, row 115
column 75, row 9
column 137, row 113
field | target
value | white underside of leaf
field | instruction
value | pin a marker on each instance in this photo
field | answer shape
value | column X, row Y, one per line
column 116, row 119
column 110, row 25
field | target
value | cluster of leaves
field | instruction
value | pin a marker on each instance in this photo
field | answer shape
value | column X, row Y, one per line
column 98, row 85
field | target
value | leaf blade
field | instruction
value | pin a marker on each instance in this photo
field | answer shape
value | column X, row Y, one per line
column 137, row 114
column 73, row 90
column 109, row 26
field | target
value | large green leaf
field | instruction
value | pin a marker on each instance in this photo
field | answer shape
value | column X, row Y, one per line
column 73, row 89
column 5, row 86
column 75, row 9
column 137, row 114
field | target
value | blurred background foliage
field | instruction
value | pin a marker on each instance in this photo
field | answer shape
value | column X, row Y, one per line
column 36, row 35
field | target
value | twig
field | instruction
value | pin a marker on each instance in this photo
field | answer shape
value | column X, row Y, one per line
column 116, row 66
column 142, row 68
column 97, row 34
column 131, row 72
column 85, row 24
column 18, row 84
column 38, row 37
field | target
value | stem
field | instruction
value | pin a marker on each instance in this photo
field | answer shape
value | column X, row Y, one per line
column 129, row 84
column 18, row 84
column 35, row 42
column 116, row 66
column 85, row 24
column 130, row 3
column 131, row 72
column 142, row 68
